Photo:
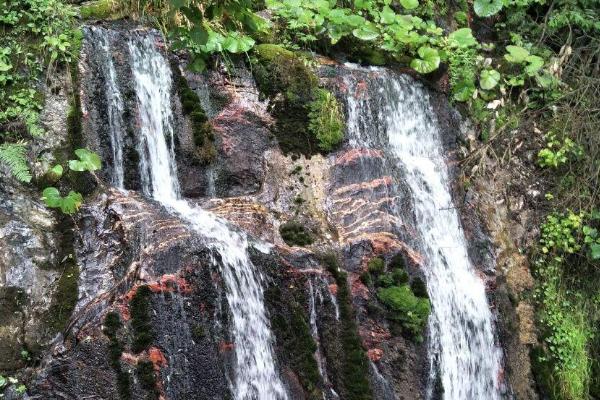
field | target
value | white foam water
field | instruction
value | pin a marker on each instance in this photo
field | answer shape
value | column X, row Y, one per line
column 256, row 377
column 462, row 346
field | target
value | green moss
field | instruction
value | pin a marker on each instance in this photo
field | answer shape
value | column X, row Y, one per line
column 202, row 132
column 112, row 324
column 101, row 9
column 147, row 378
column 397, row 262
column 376, row 266
column 325, row 120
column 294, row 234
column 365, row 278
column 406, row 308
column 140, row 319
column 198, row 332
column 64, row 298
column 385, row 280
column 399, row 276
column 354, row 366
column 418, row 287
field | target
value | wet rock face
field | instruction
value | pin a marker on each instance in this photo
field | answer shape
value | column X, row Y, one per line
column 28, row 256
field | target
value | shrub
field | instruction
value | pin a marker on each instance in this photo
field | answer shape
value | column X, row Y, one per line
column 376, row 265
column 397, row 262
column 294, row 234
column 405, row 307
column 365, row 278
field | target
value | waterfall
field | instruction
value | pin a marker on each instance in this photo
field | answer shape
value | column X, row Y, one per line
column 392, row 112
column 114, row 101
column 255, row 373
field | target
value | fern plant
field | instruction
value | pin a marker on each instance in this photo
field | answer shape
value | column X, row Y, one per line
column 14, row 156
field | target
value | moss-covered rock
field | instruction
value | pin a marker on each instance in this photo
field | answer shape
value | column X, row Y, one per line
column 411, row 311
column 140, row 319
column 295, row 234
column 308, row 118
column 376, row 266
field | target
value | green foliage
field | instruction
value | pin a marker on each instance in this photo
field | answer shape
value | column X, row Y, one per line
column 385, row 280
column 376, row 266
column 147, row 378
column 326, row 121
column 14, row 156
column 112, row 325
column 295, row 234
column 557, row 152
column 34, row 34
column 489, row 78
column 428, row 62
column 399, row 276
column 406, row 308
column 88, row 161
column 68, row 204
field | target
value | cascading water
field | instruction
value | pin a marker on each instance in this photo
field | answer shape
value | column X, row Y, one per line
column 103, row 37
column 462, row 347
column 255, row 374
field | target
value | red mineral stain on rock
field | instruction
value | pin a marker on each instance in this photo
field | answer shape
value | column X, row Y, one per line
column 333, row 288
column 129, row 358
column 170, row 283
column 157, row 358
column 354, row 154
column 225, row 346
column 375, row 354
column 358, row 289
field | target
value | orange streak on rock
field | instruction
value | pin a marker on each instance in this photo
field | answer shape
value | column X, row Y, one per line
column 354, row 154
column 375, row 183
column 375, row 354
column 157, row 358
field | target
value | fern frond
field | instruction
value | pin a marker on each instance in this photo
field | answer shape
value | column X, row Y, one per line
column 14, row 156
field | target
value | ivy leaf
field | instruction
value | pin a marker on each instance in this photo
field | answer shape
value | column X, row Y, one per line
column 488, row 79
column 462, row 38
column 595, row 251
column 51, row 196
column 463, row 91
column 71, row 203
column 535, row 63
column 387, row 15
column 487, row 8
column 366, row 32
column 88, row 161
column 409, row 4
column 516, row 54
column 236, row 43
column 429, row 61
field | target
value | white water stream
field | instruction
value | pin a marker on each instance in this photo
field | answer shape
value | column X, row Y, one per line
column 256, row 377
column 462, row 347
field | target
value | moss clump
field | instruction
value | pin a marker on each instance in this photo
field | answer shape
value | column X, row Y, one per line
column 385, row 280
column 406, row 308
column 294, row 234
column 418, row 287
column 375, row 266
column 147, row 378
column 140, row 319
column 198, row 332
column 326, row 121
column 354, row 366
column 397, row 262
column 65, row 297
column 101, row 9
column 400, row 277
column 365, row 278
column 289, row 323
column 308, row 117
column 112, row 324
column 202, row 132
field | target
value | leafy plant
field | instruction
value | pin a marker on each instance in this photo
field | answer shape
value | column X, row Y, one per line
column 557, row 152
column 489, row 78
column 326, row 121
column 68, row 204
column 487, row 8
column 428, row 62
column 14, row 156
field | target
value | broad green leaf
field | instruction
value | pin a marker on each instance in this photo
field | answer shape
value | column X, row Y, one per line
column 366, row 32
column 488, row 79
column 51, row 196
column 71, row 203
column 545, row 80
column 463, row 91
column 462, row 38
column 88, row 161
column 595, row 251
column 2, row 381
column 197, row 64
column 516, row 54
column 534, row 64
column 236, row 43
column 387, row 15
column 428, row 62
column 409, row 4
column 56, row 171
column 199, row 35
column 193, row 14
column 487, row 8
